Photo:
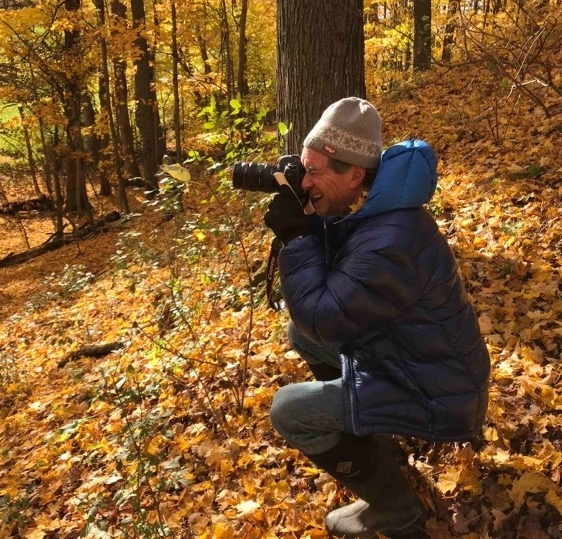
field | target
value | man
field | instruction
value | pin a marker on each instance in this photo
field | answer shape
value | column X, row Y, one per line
column 380, row 315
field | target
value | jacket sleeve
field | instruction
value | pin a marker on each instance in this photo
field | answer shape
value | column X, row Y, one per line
column 368, row 285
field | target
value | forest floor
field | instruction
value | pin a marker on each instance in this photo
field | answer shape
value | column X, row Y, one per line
column 166, row 430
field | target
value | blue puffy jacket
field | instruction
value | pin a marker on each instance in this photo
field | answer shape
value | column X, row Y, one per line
column 382, row 286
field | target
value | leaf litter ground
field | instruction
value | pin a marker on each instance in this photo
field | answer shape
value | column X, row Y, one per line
column 170, row 434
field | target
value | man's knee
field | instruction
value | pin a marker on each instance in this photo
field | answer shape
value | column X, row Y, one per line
column 282, row 411
column 309, row 415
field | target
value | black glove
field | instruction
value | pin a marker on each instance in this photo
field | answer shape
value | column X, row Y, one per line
column 286, row 217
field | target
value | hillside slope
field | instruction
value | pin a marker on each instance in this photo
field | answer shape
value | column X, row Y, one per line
column 166, row 431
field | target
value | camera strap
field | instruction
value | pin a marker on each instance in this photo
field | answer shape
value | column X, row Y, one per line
column 276, row 245
column 306, row 203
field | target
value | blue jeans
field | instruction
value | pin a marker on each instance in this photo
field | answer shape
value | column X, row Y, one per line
column 310, row 415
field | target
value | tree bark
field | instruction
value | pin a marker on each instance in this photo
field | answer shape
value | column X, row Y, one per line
column 450, row 28
column 320, row 59
column 29, row 150
column 242, row 50
column 106, row 97
column 76, row 195
column 145, row 97
column 121, row 90
column 175, row 83
column 422, row 35
column 225, row 51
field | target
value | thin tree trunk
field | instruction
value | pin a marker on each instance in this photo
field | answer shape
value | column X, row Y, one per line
column 117, row 162
column 95, row 144
column 126, row 137
column 450, row 28
column 47, row 153
column 104, row 142
column 160, row 135
column 422, row 35
column 145, row 97
column 29, row 149
column 242, row 50
column 226, row 52
column 59, row 199
column 175, row 83
column 76, row 195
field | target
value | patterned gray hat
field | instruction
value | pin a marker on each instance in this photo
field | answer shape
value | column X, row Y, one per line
column 349, row 130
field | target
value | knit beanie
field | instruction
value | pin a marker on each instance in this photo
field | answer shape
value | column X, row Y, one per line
column 349, row 130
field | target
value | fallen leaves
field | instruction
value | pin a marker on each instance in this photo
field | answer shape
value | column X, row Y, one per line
column 170, row 434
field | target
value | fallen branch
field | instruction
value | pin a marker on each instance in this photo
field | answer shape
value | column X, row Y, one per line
column 93, row 350
column 54, row 243
column 42, row 203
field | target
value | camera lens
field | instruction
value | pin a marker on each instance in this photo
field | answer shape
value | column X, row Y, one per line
column 254, row 177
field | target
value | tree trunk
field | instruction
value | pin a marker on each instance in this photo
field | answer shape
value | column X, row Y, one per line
column 145, row 97
column 59, row 199
column 106, row 97
column 422, row 35
column 175, row 84
column 320, row 59
column 160, row 135
column 450, row 27
column 29, row 149
column 102, row 159
column 76, row 195
column 225, row 51
column 126, row 137
column 242, row 50
column 96, row 144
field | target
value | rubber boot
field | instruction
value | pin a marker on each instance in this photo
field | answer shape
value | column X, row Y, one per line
column 387, row 504
column 324, row 372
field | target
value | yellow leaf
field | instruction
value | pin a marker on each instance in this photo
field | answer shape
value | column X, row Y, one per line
column 491, row 434
column 529, row 482
column 223, row 530
column 309, row 471
column 247, row 508
column 183, row 443
column 509, row 242
column 198, row 235
column 359, row 203
column 43, row 522
column 35, row 533
column 249, row 485
column 177, row 172
column 555, row 500
column 449, row 480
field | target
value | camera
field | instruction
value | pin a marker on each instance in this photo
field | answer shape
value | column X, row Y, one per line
column 261, row 176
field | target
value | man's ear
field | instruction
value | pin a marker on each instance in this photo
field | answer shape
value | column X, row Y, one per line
column 357, row 177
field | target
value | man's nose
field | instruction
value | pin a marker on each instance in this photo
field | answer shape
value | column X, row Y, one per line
column 306, row 183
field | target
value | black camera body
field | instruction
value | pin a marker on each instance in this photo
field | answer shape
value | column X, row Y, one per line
column 261, row 176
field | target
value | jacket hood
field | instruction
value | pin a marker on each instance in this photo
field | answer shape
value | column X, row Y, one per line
column 406, row 178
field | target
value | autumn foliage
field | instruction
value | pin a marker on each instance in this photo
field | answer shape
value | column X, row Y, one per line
column 169, row 432
column 137, row 364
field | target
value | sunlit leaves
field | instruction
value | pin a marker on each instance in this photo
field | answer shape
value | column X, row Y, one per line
column 177, row 422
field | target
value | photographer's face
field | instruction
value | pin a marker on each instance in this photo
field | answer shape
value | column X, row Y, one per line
column 330, row 192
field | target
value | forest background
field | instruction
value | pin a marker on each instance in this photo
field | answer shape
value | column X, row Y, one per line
column 138, row 353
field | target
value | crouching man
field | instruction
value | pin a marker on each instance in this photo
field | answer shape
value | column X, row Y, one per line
column 380, row 315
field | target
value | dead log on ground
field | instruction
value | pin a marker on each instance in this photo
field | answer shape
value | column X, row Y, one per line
column 42, row 203
column 92, row 350
column 56, row 242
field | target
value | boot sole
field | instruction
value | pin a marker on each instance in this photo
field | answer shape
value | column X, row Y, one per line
column 414, row 530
